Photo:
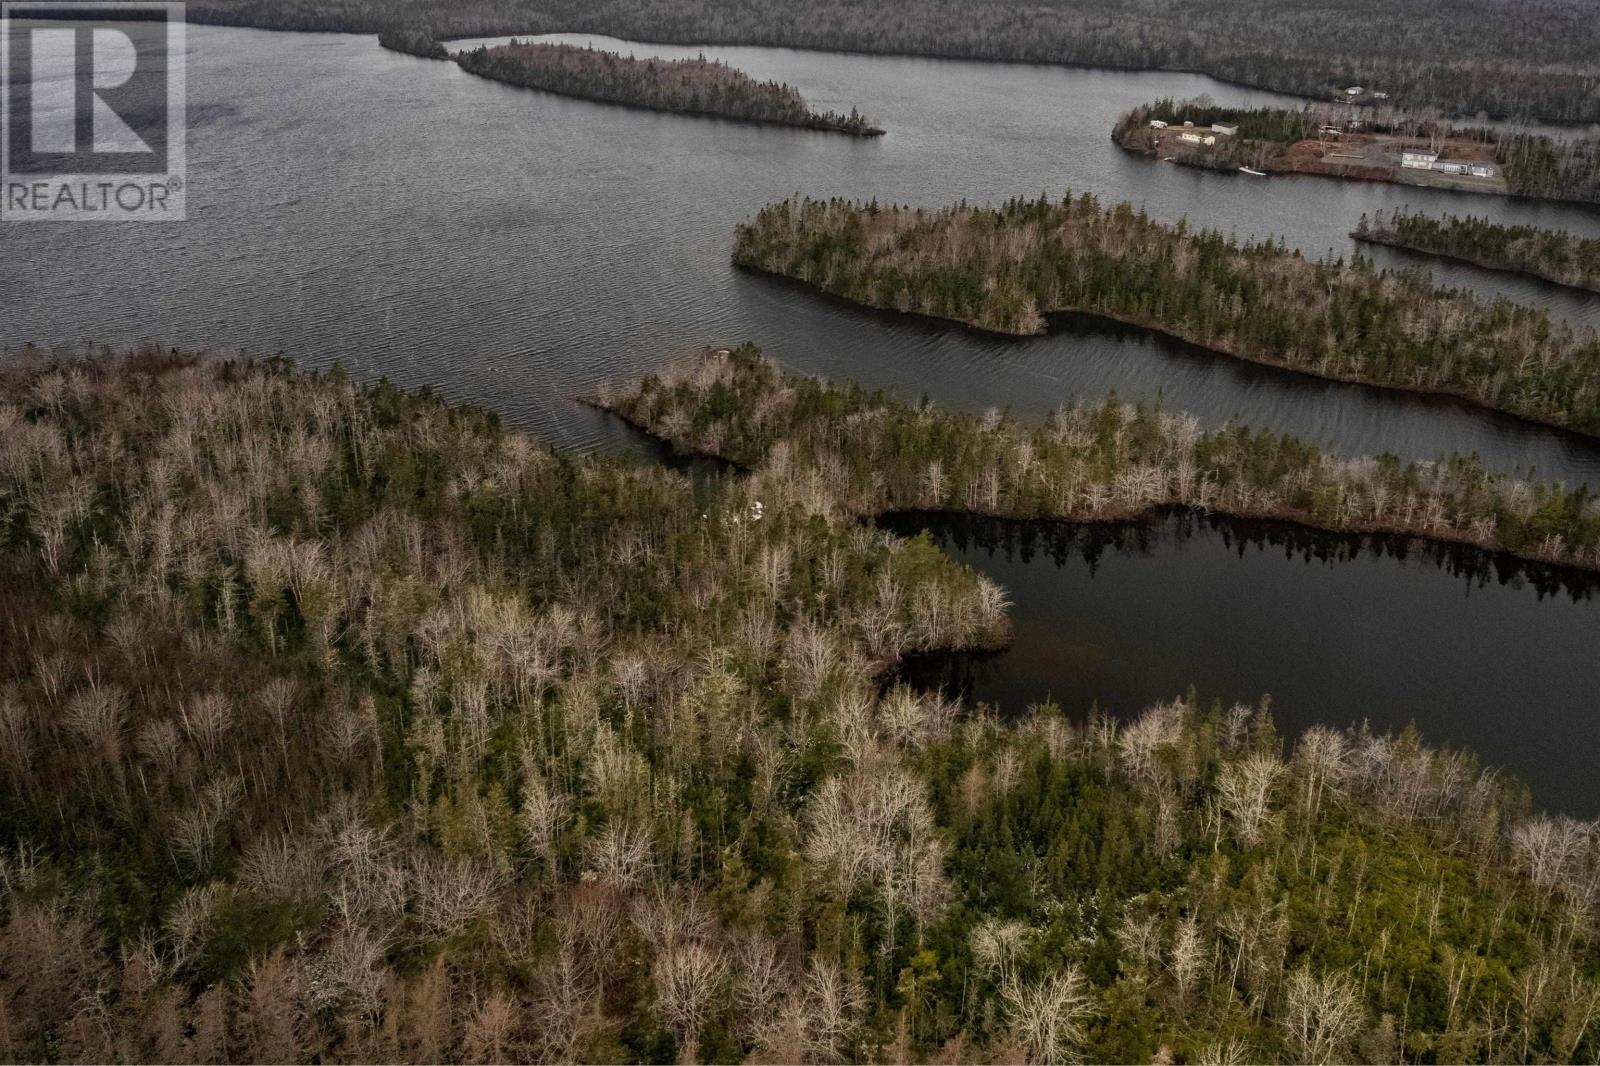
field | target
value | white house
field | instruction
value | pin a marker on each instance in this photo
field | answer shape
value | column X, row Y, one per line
column 1380, row 96
column 1354, row 90
column 1452, row 166
column 1198, row 137
column 1158, row 124
column 1227, row 129
column 1418, row 160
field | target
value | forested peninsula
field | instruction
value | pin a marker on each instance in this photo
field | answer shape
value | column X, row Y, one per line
column 690, row 86
column 342, row 724
column 1553, row 255
column 1534, row 60
column 1093, row 462
column 413, row 41
column 1365, row 143
column 1004, row 268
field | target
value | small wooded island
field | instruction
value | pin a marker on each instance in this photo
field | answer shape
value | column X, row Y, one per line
column 1004, row 268
column 1364, row 144
column 687, row 86
column 1553, row 255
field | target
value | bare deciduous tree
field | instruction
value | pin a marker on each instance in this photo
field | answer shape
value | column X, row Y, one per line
column 1189, row 957
column 1321, row 1015
column 490, row 1033
column 1046, row 1016
column 996, row 945
column 1244, row 790
column 688, row 977
column 452, row 894
column 621, row 855
column 833, row 1002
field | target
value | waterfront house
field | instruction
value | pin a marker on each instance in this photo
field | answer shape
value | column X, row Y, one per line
column 1158, row 124
column 1205, row 137
column 1418, row 160
column 1475, row 170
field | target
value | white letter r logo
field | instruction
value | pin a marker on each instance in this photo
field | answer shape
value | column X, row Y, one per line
column 115, row 60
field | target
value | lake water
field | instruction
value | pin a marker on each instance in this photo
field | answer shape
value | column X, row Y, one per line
column 352, row 205
column 404, row 218
column 1473, row 650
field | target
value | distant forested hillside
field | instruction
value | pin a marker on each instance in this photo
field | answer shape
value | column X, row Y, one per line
column 1539, row 58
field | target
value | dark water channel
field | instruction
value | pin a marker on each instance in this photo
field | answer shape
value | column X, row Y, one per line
column 1476, row 650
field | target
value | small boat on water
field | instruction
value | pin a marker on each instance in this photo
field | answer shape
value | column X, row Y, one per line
column 1252, row 170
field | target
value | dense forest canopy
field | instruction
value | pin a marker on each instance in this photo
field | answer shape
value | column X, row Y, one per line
column 1566, row 168
column 1538, row 59
column 696, row 86
column 1554, row 255
column 340, row 724
column 413, row 40
column 1004, row 268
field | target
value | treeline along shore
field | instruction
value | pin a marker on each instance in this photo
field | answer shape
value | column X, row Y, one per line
column 341, row 724
column 1091, row 462
column 1553, row 255
column 1536, row 60
column 1365, row 143
column 688, row 86
column 1004, row 268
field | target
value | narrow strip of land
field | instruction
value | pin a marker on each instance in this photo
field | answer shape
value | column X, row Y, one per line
column 413, row 41
column 1100, row 462
column 1004, row 268
column 1553, row 255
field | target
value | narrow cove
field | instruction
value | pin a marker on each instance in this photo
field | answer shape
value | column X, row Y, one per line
column 1477, row 650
